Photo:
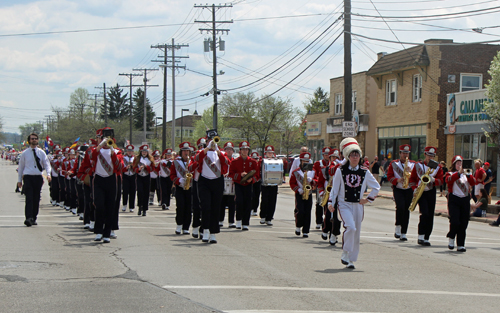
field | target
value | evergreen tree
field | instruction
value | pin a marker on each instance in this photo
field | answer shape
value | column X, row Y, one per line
column 318, row 103
column 138, row 100
column 117, row 104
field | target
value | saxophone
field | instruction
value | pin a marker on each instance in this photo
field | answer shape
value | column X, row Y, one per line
column 307, row 187
column 187, row 183
column 406, row 174
column 326, row 195
column 425, row 179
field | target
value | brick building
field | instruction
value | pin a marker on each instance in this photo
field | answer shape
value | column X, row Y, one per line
column 412, row 93
column 325, row 129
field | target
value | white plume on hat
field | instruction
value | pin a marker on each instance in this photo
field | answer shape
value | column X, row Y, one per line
column 349, row 145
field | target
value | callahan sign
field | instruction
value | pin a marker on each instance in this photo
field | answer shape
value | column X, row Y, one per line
column 466, row 108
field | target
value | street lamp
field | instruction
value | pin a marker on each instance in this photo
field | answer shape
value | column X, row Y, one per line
column 182, row 121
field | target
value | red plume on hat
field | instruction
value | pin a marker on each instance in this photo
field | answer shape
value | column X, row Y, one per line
column 185, row 146
column 244, row 145
column 431, row 151
column 269, row 148
column 229, row 145
column 456, row 158
column 405, row 148
column 144, row 148
column 305, row 156
column 130, row 147
column 167, row 151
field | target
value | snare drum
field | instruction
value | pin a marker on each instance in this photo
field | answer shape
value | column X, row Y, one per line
column 228, row 187
column 272, row 172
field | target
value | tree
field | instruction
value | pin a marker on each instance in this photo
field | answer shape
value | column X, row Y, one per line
column 255, row 119
column 2, row 135
column 318, row 103
column 493, row 108
column 138, row 111
column 206, row 123
column 117, row 107
column 78, row 101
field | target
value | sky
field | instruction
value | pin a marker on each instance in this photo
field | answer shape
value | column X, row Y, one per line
column 287, row 48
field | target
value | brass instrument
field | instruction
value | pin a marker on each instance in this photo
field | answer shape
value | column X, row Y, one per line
column 406, row 174
column 216, row 139
column 326, row 195
column 307, row 187
column 425, row 179
column 110, row 142
column 187, row 182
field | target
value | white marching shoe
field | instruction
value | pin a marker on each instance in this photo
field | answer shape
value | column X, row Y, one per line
column 92, row 224
column 451, row 243
column 113, row 235
column 397, row 232
column 98, row 237
column 221, row 224
column 318, row 226
column 344, row 258
column 324, row 236
column 333, row 240
column 238, row 224
column 297, row 231
column 263, row 220
column 73, row 211
column 212, row 238
column 124, row 208
column 206, row 235
column 196, row 231
column 178, row 229
column 350, row 265
column 185, row 232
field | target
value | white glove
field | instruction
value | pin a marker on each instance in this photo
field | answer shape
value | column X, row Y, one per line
column 301, row 191
column 103, row 143
column 309, row 179
column 182, row 181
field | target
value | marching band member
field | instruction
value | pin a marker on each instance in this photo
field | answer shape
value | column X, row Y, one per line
column 335, row 156
column 240, row 167
column 427, row 202
column 303, row 206
column 296, row 162
column 66, row 187
column 348, row 187
column 70, row 182
column 228, row 200
column 79, row 184
column 269, row 193
column 54, row 184
column 165, row 181
column 201, row 143
column 403, row 195
column 143, row 166
column 212, row 165
column 179, row 173
column 331, row 223
column 257, row 185
column 154, row 179
column 106, row 166
column 60, row 176
column 129, row 179
column 459, row 184
column 119, row 186
column 320, row 167
column 86, row 174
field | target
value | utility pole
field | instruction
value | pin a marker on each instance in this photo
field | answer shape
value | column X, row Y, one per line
column 105, row 104
column 214, row 31
column 173, row 61
column 145, row 79
column 130, row 77
column 347, row 62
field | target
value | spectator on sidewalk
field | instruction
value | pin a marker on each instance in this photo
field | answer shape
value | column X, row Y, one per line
column 442, row 188
column 366, row 162
column 481, row 205
column 374, row 168
column 480, row 176
column 488, row 180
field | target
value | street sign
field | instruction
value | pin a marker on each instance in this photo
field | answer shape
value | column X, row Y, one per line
column 349, row 129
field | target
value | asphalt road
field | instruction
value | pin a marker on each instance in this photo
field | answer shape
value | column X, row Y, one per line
column 57, row 267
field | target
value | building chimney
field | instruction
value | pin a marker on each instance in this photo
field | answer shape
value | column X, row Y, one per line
column 380, row 55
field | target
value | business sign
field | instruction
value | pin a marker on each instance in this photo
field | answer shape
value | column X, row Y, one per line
column 466, row 108
column 313, row 128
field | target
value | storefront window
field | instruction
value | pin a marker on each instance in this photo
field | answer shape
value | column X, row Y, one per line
column 421, row 149
column 458, row 145
column 466, row 147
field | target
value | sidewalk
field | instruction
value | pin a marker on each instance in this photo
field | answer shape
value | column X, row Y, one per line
column 441, row 202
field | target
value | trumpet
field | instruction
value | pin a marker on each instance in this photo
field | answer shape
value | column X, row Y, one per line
column 187, row 183
column 110, row 142
column 307, row 187
column 216, row 139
